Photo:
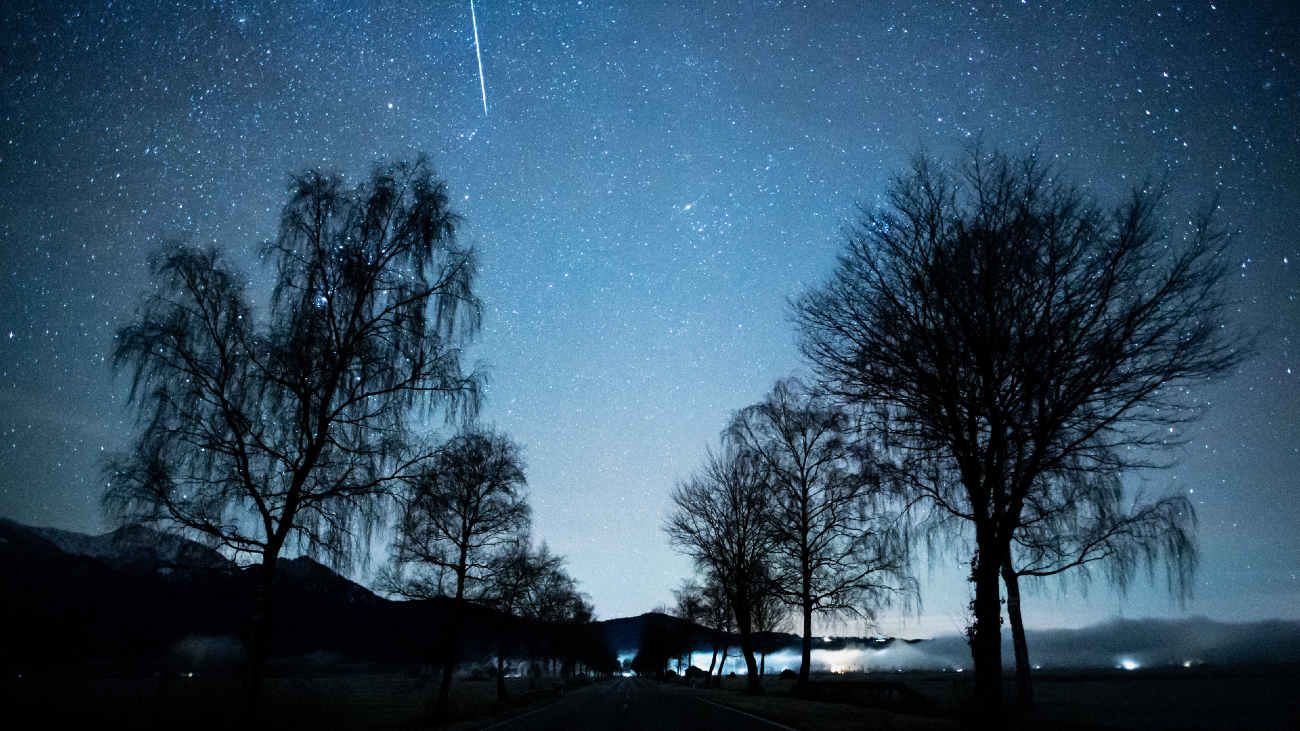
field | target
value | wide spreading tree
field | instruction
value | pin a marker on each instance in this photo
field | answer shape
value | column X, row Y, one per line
column 998, row 325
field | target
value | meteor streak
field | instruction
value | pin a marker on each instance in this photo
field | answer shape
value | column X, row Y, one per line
column 482, row 86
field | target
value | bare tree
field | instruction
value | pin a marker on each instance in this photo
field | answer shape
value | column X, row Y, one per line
column 464, row 507
column 560, row 611
column 997, row 321
column 721, row 523
column 834, row 553
column 261, row 435
column 518, row 573
column 705, row 604
column 722, row 620
column 691, row 603
column 771, row 616
column 1081, row 520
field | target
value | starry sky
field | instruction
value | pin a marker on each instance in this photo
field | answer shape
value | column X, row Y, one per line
column 649, row 187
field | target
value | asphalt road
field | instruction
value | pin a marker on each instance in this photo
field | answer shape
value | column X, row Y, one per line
column 633, row 704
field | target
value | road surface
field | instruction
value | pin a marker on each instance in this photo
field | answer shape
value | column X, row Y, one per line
column 634, row 704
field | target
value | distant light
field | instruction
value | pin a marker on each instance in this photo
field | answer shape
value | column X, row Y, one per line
column 1129, row 665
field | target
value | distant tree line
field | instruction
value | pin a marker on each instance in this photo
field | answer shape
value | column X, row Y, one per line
column 993, row 354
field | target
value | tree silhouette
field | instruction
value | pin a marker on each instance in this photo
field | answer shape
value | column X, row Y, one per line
column 770, row 616
column 833, row 553
column 288, row 432
column 1081, row 520
column 518, row 573
column 705, row 604
column 690, row 605
column 564, row 616
column 721, row 523
column 463, row 508
column 997, row 323
column 664, row 638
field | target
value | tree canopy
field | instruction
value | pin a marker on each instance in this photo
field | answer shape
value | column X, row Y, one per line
column 835, row 549
column 292, row 429
column 996, row 324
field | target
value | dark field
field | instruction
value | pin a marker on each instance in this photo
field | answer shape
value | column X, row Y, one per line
column 357, row 701
column 1165, row 698
column 1156, row 698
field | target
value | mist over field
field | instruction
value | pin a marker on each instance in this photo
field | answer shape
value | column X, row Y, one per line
column 1119, row 643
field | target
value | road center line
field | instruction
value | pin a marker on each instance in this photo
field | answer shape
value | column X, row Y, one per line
column 525, row 715
column 743, row 713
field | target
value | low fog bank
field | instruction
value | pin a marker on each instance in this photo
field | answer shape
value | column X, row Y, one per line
column 1118, row 643
column 1153, row 642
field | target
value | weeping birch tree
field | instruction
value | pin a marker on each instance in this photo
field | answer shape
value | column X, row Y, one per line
column 835, row 550
column 462, row 511
column 1081, row 523
column 720, row 521
column 289, row 431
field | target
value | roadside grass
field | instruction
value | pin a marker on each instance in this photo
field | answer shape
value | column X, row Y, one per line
column 342, row 702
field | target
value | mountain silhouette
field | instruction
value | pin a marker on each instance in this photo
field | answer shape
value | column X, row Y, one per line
column 136, row 600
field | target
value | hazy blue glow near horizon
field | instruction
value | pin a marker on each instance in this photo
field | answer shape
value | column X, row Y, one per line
column 653, row 185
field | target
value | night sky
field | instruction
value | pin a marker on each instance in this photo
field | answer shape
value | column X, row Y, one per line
column 650, row 186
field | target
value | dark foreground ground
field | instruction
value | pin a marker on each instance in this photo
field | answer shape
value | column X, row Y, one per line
column 1170, row 698
column 1158, row 698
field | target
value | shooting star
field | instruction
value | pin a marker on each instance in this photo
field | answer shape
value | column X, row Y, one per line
column 482, row 86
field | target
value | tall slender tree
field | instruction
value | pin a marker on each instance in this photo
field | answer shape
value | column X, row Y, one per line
column 518, row 572
column 1082, row 521
column 771, row 616
column 464, row 507
column 997, row 321
column 261, row 435
column 720, row 521
column 835, row 550
column 690, row 605
column 704, row 602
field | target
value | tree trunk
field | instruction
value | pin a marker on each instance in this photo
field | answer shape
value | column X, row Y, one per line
column 502, row 695
column 986, row 632
column 442, row 706
column 754, row 683
column 805, row 655
column 722, row 662
column 1024, row 682
column 712, row 661
column 257, row 636
column 762, row 665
